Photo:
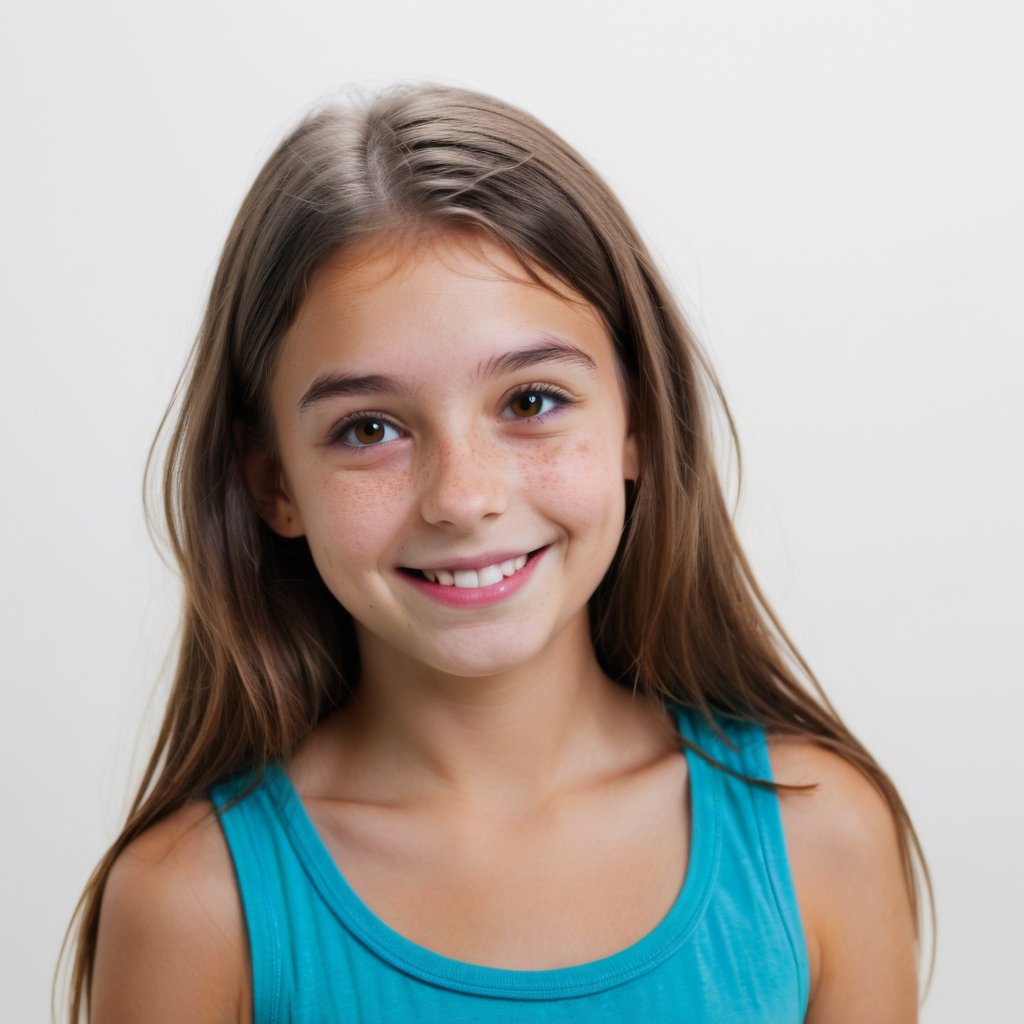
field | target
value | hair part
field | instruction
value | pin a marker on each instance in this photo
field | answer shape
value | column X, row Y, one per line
column 266, row 651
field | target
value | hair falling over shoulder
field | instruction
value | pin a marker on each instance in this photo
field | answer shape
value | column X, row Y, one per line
column 266, row 651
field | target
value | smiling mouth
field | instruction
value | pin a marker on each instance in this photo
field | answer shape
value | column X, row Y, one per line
column 473, row 579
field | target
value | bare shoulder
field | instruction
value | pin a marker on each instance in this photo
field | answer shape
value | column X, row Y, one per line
column 172, row 940
column 844, row 811
column 844, row 852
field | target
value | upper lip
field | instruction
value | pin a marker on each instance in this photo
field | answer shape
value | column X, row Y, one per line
column 473, row 561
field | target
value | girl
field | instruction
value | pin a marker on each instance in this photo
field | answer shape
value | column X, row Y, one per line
column 479, row 713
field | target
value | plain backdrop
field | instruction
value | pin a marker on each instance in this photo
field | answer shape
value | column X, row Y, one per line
column 835, row 191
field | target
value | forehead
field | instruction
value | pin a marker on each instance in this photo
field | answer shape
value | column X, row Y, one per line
column 407, row 258
column 398, row 299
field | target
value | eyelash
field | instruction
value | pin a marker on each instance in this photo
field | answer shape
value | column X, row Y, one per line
column 560, row 397
column 337, row 435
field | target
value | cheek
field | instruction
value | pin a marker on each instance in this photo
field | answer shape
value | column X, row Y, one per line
column 355, row 518
column 582, row 483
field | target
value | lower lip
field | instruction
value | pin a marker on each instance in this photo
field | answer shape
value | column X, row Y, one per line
column 476, row 597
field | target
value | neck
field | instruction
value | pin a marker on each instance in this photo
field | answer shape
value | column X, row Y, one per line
column 510, row 740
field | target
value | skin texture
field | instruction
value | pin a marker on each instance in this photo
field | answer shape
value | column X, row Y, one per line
column 172, row 944
column 482, row 742
column 850, row 887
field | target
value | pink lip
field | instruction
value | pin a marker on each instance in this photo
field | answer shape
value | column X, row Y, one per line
column 476, row 597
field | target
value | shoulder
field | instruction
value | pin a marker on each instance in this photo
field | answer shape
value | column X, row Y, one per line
column 845, row 809
column 172, row 940
column 843, row 844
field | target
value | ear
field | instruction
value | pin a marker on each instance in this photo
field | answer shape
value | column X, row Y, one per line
column 631, row 457
column 265, row 485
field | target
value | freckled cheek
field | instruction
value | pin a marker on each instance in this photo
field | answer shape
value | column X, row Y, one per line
column 582, row 484
column 356, row 516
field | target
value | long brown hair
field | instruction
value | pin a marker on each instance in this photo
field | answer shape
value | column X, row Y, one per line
column 266, row 651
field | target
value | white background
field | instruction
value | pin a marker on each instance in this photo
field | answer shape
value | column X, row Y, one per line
column 835, row 190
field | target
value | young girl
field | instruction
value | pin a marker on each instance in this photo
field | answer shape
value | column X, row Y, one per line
column 479, row 713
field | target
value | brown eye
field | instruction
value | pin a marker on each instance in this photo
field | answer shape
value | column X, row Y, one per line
column 527, row 404
column 367, row 432
column 536, row 402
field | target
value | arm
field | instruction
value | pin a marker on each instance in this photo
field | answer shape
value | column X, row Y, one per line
column 842, row 844
column 172, row 941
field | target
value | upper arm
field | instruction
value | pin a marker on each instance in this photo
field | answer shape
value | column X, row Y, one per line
column 845, row 857
column 172, row 940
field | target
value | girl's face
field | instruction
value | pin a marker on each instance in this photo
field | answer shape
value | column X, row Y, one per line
column 453, row 443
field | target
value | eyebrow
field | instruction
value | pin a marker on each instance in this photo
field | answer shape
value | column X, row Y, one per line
column 337, row 385
column 549, row 350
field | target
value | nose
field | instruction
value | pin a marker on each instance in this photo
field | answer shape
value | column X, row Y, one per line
column 464, row 482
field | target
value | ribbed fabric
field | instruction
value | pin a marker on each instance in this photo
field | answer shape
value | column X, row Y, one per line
column 731, row 949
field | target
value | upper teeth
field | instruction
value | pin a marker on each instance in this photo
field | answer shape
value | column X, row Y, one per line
column 469, row 579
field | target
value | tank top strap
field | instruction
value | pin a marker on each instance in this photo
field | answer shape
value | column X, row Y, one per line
column 753, row 864
column 249, row 808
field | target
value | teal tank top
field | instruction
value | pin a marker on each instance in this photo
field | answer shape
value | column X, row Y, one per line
column 731, row 949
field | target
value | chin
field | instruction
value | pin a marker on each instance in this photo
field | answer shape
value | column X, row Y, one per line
column 482, row 662
column 479, row 653
column 480, row 650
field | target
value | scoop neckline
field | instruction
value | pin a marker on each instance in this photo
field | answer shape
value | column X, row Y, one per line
column 664, row 939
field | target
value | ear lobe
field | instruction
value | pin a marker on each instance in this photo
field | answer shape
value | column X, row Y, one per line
column 631, row 457
column 265, row 486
